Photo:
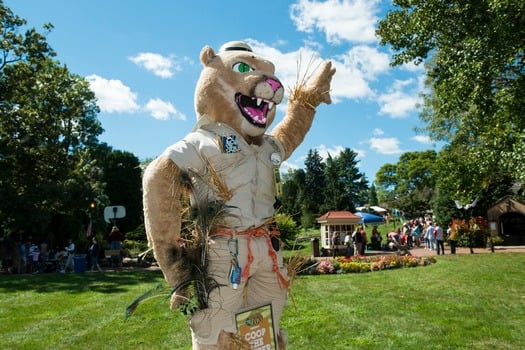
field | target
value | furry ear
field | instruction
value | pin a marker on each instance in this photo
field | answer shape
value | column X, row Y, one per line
column 207, row 54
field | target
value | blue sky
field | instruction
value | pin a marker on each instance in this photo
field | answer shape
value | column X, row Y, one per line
column 142, row 61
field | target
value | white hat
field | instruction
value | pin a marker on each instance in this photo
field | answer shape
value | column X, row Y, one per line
column 235, row 46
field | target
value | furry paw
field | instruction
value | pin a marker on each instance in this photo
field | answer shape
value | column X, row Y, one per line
column 321, row 83
column 317, row 89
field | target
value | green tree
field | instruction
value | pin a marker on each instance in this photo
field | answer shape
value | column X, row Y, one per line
column 514, row 159
column 288, row 228
column 386, row 184
column 353, row 183
column 29, row 47
column 474, row 53
column 335, row 185
column 372, row 196
column 314, row 188
column 290, row 200
column 123, row 178
column 456, row 173
column 334, row 191
column 409, row 185
column 48, row 124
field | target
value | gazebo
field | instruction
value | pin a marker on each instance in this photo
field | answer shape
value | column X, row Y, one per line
column 338, row 222
column 507, row 219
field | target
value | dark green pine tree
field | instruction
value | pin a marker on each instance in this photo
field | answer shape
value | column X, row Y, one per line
column 314, row 188
column 333, row 187
column 372, row 196
column 353, row 182
column 291, row 198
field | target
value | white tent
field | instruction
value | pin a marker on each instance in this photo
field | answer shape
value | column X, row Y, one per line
column 378, row 209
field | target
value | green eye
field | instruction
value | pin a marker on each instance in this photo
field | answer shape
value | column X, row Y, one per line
column 242, row 67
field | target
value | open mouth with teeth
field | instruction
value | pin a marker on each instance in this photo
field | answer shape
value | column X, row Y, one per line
column 254, row 109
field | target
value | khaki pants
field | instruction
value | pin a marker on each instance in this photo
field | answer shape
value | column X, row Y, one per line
column 262, row 287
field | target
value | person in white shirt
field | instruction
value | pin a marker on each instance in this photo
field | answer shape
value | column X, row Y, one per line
column 349, row 245
column 70, row 254
column 430, row 237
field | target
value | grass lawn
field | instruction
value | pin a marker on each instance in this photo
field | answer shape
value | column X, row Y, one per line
column 461, row 302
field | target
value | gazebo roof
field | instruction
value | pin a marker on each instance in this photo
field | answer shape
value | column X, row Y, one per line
column 338, row 215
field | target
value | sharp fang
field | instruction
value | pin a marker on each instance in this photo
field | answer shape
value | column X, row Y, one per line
column 259, row 101
column 270, row 105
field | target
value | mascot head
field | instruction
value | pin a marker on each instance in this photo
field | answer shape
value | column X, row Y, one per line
column 238, row 88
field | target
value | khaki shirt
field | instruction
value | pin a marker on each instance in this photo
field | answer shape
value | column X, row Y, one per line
column 246, row 170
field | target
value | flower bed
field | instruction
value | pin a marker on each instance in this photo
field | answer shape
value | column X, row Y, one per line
column 357, row 264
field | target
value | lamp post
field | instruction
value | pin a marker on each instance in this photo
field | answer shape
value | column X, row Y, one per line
column 468, row 207
column 89, row 230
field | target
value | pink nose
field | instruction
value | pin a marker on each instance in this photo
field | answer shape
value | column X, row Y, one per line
column 275, row 84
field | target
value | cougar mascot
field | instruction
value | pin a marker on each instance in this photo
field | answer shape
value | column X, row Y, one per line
column 209, row 198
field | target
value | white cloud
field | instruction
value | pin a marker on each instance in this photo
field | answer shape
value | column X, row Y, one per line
column 286, row 166
column 346, row 20
column 401, row 84
column 115, row 97
column 378, row 132
column 112, row 95
column 334, row 151
column 350, row 83
column 412, row 67
column 355, row 69
column 323, row 152
column 422, row 139
column 361, row 154
column 385, row 145
column 163, row 110
column 398, row 103
column 159, row 65
column 368, row 60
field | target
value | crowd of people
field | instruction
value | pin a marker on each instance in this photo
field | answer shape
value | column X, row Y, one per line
column 38, row 258
column 33, row 256
column 421, row 232
column 426, row 233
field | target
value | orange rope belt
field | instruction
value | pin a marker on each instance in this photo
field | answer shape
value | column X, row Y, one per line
column 267, row 233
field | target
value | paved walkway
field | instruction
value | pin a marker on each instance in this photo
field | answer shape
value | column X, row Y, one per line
column 420, row 251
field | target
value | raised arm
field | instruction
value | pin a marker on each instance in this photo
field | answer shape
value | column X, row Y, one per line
column 303, row 101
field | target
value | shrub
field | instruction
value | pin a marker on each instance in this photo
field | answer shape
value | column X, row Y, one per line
column 358, row 264
column 325, row 266
column 288, row 227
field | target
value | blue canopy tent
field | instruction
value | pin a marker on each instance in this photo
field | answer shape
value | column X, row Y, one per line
column 368, row 218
